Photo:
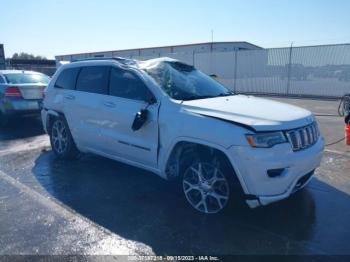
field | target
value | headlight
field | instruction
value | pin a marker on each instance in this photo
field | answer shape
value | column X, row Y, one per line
column 266, row 139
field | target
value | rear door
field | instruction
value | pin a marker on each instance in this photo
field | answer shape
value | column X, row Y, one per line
column 128, row 94
column 63, row 97
column 83, row 108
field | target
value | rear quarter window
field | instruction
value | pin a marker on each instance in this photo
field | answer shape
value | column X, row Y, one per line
column 67, row 78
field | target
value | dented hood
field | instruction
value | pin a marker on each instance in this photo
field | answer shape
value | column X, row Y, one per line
column 251, row 112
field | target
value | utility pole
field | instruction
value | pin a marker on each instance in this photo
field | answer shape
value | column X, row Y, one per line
column 235, row 53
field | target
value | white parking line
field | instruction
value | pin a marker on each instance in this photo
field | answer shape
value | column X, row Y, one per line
column 337, row 152
column 38, row 142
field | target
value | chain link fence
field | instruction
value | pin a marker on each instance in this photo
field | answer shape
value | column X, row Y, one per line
column 301, row 71
column 317, row 71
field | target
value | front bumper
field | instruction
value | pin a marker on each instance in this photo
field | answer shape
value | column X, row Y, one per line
column 21, row 106
column 252, row 164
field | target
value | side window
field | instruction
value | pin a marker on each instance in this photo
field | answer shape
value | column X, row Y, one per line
column 126, row 84
column 2, row 81
column 93, row 79
column 67, row 78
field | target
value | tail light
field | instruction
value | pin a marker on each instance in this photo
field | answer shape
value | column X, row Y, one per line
column 13, row 92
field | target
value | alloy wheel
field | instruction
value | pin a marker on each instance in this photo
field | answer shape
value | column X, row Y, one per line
column 206, row 188
column 59, row 136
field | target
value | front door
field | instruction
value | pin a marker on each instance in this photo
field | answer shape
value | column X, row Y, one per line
column 128, row 94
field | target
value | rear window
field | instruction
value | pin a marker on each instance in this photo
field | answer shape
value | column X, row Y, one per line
column 93, row 79
column 21, row 78
column 67, row 78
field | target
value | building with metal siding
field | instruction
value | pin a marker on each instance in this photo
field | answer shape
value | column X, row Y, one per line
column 187, row 51
column 216, row 58
column 45, row 66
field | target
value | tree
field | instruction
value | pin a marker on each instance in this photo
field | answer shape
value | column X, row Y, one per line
column 23, row 55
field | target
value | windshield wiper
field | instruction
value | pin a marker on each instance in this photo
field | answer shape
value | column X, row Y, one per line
column 196, row 97
column 230, row 93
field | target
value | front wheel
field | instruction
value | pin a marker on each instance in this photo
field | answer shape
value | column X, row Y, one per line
column 61, row 139
column 206, row 188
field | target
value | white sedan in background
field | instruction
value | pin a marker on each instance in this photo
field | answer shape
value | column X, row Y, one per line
column 21, row 93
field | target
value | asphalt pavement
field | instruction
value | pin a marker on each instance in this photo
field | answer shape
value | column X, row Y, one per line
column 98, row 206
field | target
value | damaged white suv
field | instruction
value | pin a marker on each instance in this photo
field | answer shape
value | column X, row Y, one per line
column 169, row 118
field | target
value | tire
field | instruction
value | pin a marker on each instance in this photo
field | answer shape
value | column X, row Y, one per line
column 209, row 185
column 4, row 120
column 61, row 140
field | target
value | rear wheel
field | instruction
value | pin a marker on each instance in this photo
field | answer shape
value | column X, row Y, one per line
column 61, row 139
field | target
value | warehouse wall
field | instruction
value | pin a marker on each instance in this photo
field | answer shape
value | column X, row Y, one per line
column 186, row 51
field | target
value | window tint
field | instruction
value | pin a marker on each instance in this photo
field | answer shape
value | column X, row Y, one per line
column 24, row 78
column 127, row 85
column 93, row 79
column 67, row 78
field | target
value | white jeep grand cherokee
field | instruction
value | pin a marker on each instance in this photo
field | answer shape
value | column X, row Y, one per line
column 169, row 118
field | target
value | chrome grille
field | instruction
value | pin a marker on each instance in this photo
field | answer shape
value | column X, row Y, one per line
column 303, row 137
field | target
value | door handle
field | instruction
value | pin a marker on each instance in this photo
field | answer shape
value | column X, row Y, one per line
column 70, row 97
column 109, row 104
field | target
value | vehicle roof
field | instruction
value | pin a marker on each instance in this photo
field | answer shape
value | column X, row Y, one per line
column 154, row 62
column 123, row 62
column 91, row 62
column 3, row 72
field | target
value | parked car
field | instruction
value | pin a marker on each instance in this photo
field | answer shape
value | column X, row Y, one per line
column 21, row 93
column 169, row 118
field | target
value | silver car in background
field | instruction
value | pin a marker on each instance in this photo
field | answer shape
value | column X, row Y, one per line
column 21, row 93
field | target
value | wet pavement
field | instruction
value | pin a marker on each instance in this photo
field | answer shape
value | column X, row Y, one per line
column 326, row 112
column 99, row 206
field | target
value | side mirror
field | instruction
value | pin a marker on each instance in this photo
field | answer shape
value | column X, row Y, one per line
column 140, row 119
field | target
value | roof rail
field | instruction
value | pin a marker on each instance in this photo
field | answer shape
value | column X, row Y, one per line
column 125, row 61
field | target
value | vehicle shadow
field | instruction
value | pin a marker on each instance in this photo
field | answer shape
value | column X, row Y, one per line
column 21, row 128
column 140, row 206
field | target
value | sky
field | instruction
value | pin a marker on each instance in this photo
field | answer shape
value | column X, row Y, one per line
column 57, row 27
